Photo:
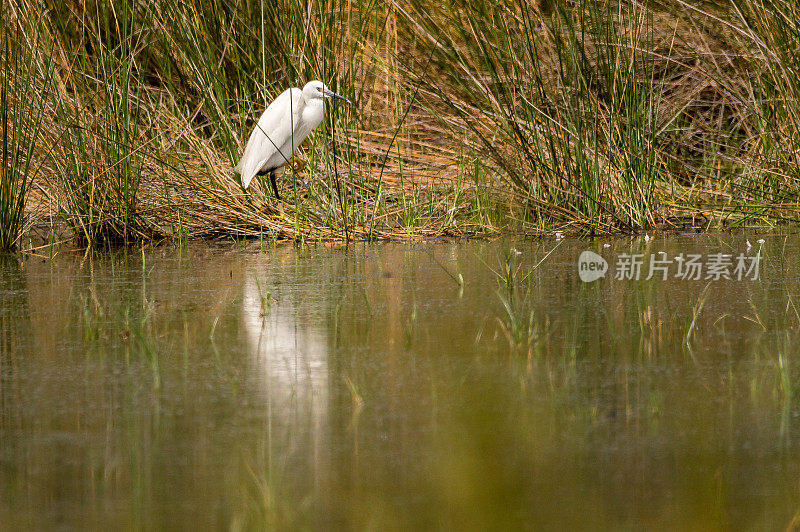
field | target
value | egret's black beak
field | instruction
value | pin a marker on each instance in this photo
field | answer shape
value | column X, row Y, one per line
column 331, row 94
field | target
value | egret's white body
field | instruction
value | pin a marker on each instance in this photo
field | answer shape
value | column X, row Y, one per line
column 281, row 129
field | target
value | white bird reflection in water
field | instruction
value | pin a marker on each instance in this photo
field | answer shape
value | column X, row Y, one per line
column 289, row 354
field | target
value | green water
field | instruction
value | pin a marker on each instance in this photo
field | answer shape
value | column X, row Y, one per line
column 230, row 388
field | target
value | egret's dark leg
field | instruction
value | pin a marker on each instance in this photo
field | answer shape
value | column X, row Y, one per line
column 271, row 179
column 274, row 184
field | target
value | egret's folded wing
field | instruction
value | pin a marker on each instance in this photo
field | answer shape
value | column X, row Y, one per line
column 268, row 135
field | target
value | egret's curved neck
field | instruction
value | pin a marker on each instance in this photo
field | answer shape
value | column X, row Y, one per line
column 312, row 105
column 310, row 101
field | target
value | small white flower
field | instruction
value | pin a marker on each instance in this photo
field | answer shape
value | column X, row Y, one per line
column 516, row 251
column 749, row 245
column 606, row 245
column 646, row 237
column 559, row 235
column 760, row 240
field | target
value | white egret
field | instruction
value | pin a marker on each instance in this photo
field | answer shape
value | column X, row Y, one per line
column 284, row 125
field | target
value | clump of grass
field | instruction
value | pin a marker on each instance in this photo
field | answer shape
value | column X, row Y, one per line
column 613, row 116
column 772, row 29
column 25, row 78
column 105, row 138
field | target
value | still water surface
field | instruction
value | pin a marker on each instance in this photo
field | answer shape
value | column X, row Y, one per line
column 221, row 387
